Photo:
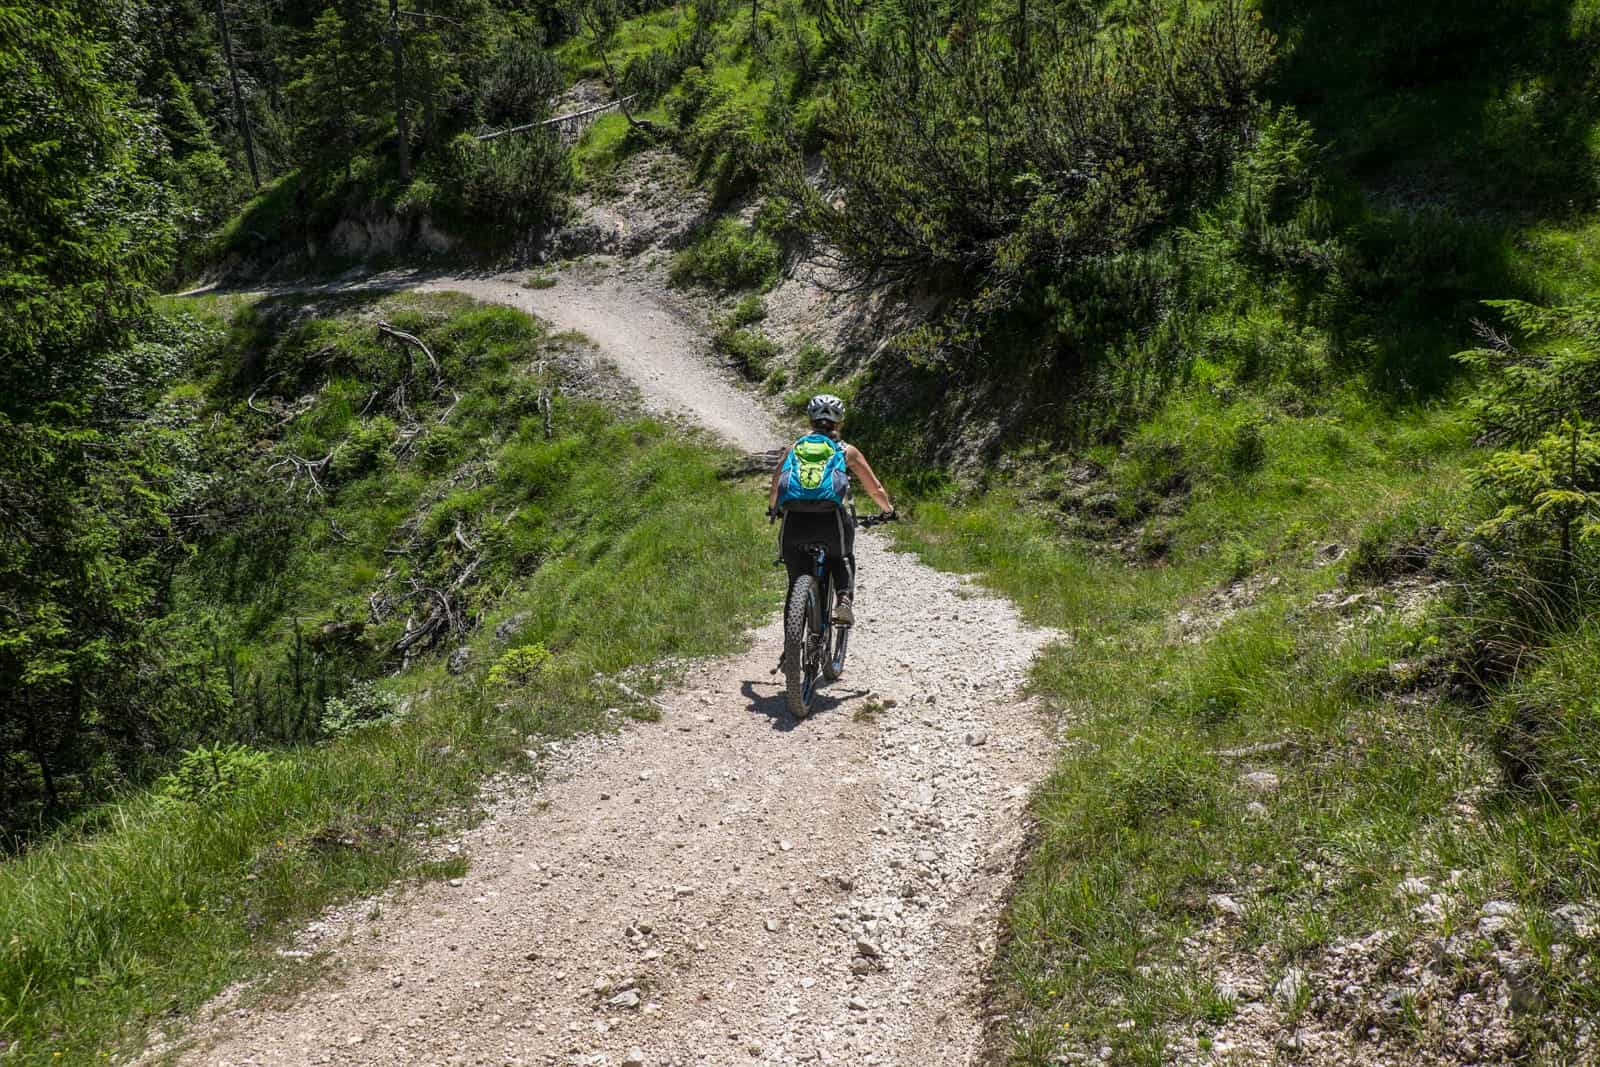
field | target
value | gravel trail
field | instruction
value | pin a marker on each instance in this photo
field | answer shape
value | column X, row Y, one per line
column 653, row 342
column 724, row 886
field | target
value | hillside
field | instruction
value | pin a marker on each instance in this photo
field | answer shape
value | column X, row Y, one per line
column 1247, row 349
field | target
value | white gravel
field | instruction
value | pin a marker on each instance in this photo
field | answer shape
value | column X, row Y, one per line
column 650, row 337
column 674, row 886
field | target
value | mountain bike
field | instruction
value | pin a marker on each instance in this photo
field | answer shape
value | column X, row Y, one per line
column 814, row 646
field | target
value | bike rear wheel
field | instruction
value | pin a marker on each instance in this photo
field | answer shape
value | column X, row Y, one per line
column 802, row 637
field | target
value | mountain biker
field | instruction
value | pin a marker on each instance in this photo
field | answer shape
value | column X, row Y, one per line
column 831, row 523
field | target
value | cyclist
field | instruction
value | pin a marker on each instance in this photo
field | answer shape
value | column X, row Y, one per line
column 831, row 521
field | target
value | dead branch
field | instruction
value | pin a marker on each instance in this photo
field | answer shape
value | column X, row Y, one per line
column 630, row 691
column 461, row 539
column 411, row 338
column 457, row 399
column 250, row 401
column 461, row 579
column 298, row 467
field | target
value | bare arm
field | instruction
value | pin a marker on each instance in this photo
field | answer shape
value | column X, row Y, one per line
column 772, row 490
column 863, row 471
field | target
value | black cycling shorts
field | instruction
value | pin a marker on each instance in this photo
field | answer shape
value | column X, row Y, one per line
column 835, row 529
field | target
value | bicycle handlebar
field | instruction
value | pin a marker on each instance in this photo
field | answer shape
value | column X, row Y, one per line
column 864, row 522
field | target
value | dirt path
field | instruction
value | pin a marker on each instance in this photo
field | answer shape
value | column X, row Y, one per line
column 654, row 344
column 726, row 886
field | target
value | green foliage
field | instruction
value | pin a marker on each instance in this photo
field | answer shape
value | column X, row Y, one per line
column 962, row 146
column 1524, row 393
column 363, row 704
column 517, row 180
column 747, row 312
column 750, row 351
column 214, row 774
column 519, row 666
column 730, row 256
column 1552, row 487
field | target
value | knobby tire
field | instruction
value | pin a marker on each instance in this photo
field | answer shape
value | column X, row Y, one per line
column 796, row 631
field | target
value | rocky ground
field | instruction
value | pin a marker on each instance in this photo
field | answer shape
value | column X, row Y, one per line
column 724, row 886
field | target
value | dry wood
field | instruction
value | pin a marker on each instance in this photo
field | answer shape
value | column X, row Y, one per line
column 299, row 467
column 411, row 338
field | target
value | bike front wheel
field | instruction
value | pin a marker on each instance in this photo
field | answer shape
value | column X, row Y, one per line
column 802, row 637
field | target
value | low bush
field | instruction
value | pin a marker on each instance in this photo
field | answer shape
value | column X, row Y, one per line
column 214, row 774
column 749, row 351
column 363, row 704
column 520, row 666
column 728, row 255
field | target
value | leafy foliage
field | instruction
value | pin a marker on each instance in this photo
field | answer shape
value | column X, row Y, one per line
column 519, row 666
column 728, row 255
column 970, row 147
column 363, row 704
column 213, row 774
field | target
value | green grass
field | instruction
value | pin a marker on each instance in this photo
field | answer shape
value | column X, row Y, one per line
column 1143, row 818
column 625, row 547
column 634, row 37
column 728, row 255
column 1236, row 637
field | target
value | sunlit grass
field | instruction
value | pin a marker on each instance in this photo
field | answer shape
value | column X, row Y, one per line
column 626, row 548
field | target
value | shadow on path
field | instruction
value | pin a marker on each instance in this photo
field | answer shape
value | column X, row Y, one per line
column 768, row 698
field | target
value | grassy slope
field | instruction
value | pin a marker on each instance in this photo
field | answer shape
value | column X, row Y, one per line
column 1448, row 131
column 626, row 548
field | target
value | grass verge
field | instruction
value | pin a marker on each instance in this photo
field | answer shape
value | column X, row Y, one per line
column 1273, row 825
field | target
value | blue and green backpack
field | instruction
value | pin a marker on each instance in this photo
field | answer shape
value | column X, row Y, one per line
column 814, row 476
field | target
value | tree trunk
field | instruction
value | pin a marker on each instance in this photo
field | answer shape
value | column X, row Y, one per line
column 36, row 746
column 397, row 47
column 238, row 95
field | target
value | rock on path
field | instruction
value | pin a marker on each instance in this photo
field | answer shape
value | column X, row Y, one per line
column 615, row 917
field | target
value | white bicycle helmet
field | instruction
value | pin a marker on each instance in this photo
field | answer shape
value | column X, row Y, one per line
column 825, row 407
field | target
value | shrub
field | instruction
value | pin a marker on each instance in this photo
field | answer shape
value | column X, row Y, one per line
column 418, row 197
column 810, row 360
column 209, row 775
column 363, row 704
column 1246, row 450
column 750, row 351
column 728, row 255
column 518, row 667
column 365, row 450
column 439, row 447
column 749, row 311
column 1544, row 401
column 999, row 165
column 512, row 182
